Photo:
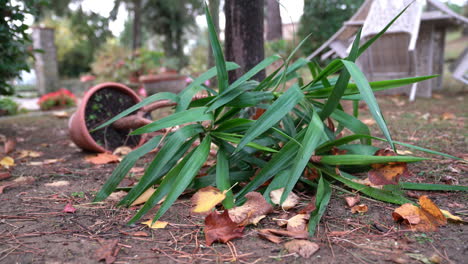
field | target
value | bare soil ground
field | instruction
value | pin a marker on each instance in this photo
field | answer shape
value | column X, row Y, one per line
column 34, row 228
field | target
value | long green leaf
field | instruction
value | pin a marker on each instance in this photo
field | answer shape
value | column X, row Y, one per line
column 234, row 139
column 252, row 72
column 313, row 134
column 222, row 178
column 180, row 118
column 229, row 95
column 365, row 159
column 124, row 167
column 432, row 187
column 185, row 97
column 174, row 144
column 322, row 199
column 282, row 106
column 368, row 96
column 144, row 102
column 223, row 80
column 186, row 175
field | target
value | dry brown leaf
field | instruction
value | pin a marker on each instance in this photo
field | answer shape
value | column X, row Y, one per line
column 108, row 250
column 369, row 121
column 140, row 234
column 102, row 158
column 309, row 208
column 286, row 233
column 255, row 206
column 269, row 236
column 298, row 223
column 220, row 227
column 29, row 154
column 352, row 200
column 4, row 175
column 387, row 173
column 20, row 181
column 122, row 151
column 44, row 162
column 427, row 218
column 61, row 114
column 361, row 208
column 57, row 184
column 7, row 162
column 116, row 196
column 155, row 225
column 9, row 145
column 291, row 201
column 137, row 170
column 205, row 199
column 144, row 197
column 448, row 116
column 69, row 208
column 304, row 248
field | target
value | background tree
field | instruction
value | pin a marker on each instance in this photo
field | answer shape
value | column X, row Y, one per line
column 274, row 22
column 172, row 20
column 323, row 18
column 135, row 8
column 15, row 42
column 244, row 35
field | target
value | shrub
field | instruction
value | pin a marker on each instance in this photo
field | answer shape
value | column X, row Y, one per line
column 62, row 98
column 8, row 106
column 298, row 131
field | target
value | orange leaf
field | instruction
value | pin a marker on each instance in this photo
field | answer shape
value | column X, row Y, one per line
column 361, row 208
column 387, row 173
column 427, row 218
column 219, row 227
column 102, row 158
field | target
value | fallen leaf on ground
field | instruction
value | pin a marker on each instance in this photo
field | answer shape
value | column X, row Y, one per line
column 367, row 182
column 387, row 173
column 369, row 121
column 448, row 116
column 361, row 208
column 255, row 206
column 4, row 175
column 205, row 199
column 427, row 218
column 352, row 200
column 286, row 233
column 122, row 151
column 108, row 251
column 298, row 223
column 57, row 184
column 137, row 170
column 116, row 196
column 102, row 158
column 9, row 145
column 291, row 201
column 220, row 227
column 309, row 208
column 155, row 225
column 69, row 208
column 451, row 217
column 269, row 236
column 7, row 162
column 29, row 154
column 61, row 114
column 304, row 248
column 16, row 182
column 144, row 197
column 282, row 220
column 139, row 234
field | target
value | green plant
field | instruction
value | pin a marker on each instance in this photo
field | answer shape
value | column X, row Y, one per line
column 8, row 106
column 293, row 133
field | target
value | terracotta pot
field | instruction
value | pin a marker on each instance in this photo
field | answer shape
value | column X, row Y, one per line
column 163, row 82
column 78, row 130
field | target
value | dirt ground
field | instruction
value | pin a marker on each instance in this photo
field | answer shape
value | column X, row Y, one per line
column 34, row 228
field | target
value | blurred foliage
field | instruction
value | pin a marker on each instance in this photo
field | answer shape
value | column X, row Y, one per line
column 116, row 63
column 173, row 20
column 322, row 18
column 8, row 106
column 281, row 47
column 15, row 42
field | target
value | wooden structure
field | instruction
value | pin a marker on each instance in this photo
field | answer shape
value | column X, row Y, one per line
column 412, row 46
column 460, row 67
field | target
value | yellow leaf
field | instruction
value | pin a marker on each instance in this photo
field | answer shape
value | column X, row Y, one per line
column 122, row 151
column 29, row 153
column 427, row 218
column 7, row 162
column 205, row 199
column 451, row 217
column 144, row 197
column 155, row 225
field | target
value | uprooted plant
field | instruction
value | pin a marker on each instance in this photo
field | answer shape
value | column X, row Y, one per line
column 300, row 129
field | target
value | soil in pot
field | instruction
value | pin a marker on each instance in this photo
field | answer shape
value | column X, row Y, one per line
column 102, row 106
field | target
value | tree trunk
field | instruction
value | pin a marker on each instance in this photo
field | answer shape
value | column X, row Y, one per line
column 274, row 23
column 136, row 36
column 244, row 35
column 213, row 5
